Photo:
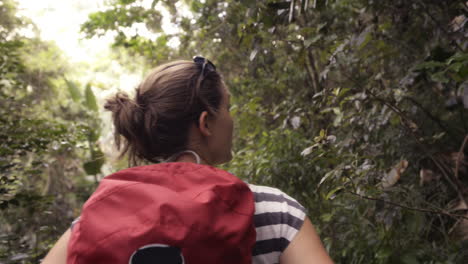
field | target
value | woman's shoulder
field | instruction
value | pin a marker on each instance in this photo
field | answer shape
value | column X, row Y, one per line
column 266, row 195
column 278, row 218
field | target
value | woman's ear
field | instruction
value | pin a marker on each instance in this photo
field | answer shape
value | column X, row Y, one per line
column 203, row 124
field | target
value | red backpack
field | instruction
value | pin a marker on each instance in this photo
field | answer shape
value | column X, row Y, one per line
column 166, row 213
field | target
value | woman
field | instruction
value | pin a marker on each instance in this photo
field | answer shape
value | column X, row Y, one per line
column 183, row 210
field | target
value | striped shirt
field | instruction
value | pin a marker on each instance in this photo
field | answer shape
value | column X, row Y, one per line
column 277, row 219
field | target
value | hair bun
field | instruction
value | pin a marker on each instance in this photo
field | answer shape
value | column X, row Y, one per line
column 119, row 102
column 126, row 116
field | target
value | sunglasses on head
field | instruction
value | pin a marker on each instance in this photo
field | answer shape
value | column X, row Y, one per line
column 205, row 64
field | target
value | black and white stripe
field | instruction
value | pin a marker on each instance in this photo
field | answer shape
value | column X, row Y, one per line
column 278, row 218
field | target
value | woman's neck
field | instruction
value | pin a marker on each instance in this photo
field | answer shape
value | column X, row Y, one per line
column 189, row 156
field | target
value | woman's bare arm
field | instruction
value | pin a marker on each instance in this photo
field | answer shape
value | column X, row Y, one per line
column 58, row 253
column 306, row 247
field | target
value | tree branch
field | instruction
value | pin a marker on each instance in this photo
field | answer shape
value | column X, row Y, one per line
column 460, row 153
column 429, row 114
column 456, row 186
column 438, row 23
column 315, row 75
column 408, row 207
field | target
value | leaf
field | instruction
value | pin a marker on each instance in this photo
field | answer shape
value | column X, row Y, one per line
column 326, row 217
column 392, row 177
column 90, row 99
column 295, row 122
column 439, row 135
column 307, row 151
column 330, row 195
column 74, row 90
column 253, row 54
column 126, row 2
column 456, row 67
column 93, row 134
column 459, row 205
column 331, row 139
column 367, row 39
column 153, row 4
column 323, row 133
column 324, row 178
column 458, row 57
column 93, row 167
column 439, row 77
column 311, row 41
column 338, row 118
column 429, row 65
column 364, row 37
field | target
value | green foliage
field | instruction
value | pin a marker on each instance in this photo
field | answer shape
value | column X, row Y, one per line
column 330, row 99
column 122, row 16
column 44, row 142
column 329, row 96
column 90, row 99
column 123, row 19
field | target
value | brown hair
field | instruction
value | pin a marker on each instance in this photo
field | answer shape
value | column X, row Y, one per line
column 156, row 123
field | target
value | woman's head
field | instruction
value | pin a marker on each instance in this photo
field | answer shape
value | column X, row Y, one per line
column 180, row 105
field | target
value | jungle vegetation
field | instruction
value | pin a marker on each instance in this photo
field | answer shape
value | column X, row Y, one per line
column 357, row 108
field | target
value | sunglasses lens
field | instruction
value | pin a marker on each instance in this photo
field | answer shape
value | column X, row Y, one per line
column 210, row 66
column 199, row 60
